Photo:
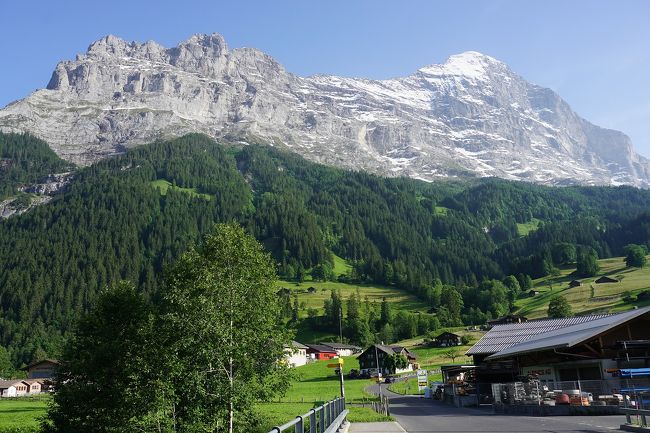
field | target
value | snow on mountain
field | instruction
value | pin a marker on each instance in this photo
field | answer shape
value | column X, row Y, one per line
column 470, row 116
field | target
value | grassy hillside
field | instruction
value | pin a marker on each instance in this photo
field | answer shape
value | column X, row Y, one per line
column 164, row 185
column 400, row 299
column 590, row 297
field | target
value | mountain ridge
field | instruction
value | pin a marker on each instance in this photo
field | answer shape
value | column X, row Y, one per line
column 469, row 116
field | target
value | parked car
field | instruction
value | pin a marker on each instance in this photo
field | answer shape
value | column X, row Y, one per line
column 389, row 379
column 354, row 374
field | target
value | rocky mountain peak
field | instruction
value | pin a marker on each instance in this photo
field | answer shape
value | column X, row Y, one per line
column 469, row 116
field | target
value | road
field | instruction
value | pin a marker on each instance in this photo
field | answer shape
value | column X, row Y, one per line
column 418, row 415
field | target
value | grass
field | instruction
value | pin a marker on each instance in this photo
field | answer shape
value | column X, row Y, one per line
column 410, row 385
column 440, row 210
column 314, row 384
column 22, row 412
column 590, row 297
column 400, row 299
column 341, row 266
column 524, row 228
column 164, row 185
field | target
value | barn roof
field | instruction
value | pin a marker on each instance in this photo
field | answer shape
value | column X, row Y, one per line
column 535, row 335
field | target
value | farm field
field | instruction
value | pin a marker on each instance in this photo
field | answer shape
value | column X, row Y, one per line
column 590, row 297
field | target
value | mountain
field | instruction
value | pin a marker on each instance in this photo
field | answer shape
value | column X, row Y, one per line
column 470, row 116
column 127, row 217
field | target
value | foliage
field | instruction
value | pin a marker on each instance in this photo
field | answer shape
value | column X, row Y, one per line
column 559, row 307
column 452, row 354
column 113, row 224
column 635, row 255
column 25, row 159
column 220, row 336
column 395, row 362
column 106, row 382
column 587, row 263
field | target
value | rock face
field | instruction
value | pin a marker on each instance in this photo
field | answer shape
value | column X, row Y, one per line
column 469, row 116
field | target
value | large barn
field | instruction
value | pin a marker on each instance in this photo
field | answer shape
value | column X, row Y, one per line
column 582, row 348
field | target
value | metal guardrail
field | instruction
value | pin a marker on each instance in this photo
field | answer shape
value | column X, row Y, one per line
column 639, row 412
column 323, row 419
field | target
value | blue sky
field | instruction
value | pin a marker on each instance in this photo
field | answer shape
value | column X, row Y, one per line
column 595, row 54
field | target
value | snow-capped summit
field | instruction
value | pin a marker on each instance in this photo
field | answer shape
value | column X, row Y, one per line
column 469, row 116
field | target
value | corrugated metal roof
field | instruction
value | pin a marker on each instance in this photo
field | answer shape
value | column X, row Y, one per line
column 550, row 333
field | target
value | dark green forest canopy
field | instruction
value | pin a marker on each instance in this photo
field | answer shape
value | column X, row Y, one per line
column 25, row 159
column 113, row 223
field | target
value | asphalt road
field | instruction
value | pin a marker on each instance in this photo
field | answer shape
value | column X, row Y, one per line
column 419, row 415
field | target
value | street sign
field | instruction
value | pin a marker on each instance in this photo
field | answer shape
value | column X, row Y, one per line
column 423, row 380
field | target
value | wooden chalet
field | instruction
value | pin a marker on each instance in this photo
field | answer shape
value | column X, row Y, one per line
column 368, row 362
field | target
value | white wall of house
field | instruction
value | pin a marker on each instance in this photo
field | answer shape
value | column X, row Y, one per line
column 344, row 352
column 9, row 392
column 404, row 370
column 296, row 357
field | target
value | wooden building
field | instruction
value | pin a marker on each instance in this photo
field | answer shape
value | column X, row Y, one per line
column 568, row 349
column 376, row 355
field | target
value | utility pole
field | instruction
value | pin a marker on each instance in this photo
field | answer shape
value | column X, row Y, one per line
column 341, row 379
column 341, row 325
column 378, row 371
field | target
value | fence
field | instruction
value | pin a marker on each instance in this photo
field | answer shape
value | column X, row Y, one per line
column 323, row 419
column 380, row 406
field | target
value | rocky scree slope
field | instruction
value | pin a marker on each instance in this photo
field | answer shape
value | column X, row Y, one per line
column 470, row 116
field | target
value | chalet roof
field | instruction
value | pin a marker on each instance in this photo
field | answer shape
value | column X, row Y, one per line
column 320, row 348
column 390, row 350
column 537, row 335
column 297, row 345
column 606, row 279
column 448, row 334
column 340, row 346
column 41, row 361
column 4, row 384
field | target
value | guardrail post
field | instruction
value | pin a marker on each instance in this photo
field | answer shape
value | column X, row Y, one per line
column 312, row 422
column 323, row 415
column 300, row 426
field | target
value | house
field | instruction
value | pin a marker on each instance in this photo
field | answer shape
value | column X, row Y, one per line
column 43, row 369
column 533, row 293
column 343, row 349
column 295, row 355
column 318, row 351
column 447, row 339
column 606, row 279
column 377, row 353
column 34, row 386
column 311, row 290
column 575, row 283
column 13, row 388
column 557, row 351
column 510, row 318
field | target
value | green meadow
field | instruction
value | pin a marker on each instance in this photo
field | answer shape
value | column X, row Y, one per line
column 590, row 297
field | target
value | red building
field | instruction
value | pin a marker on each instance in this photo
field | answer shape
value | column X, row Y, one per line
column 319, row 351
